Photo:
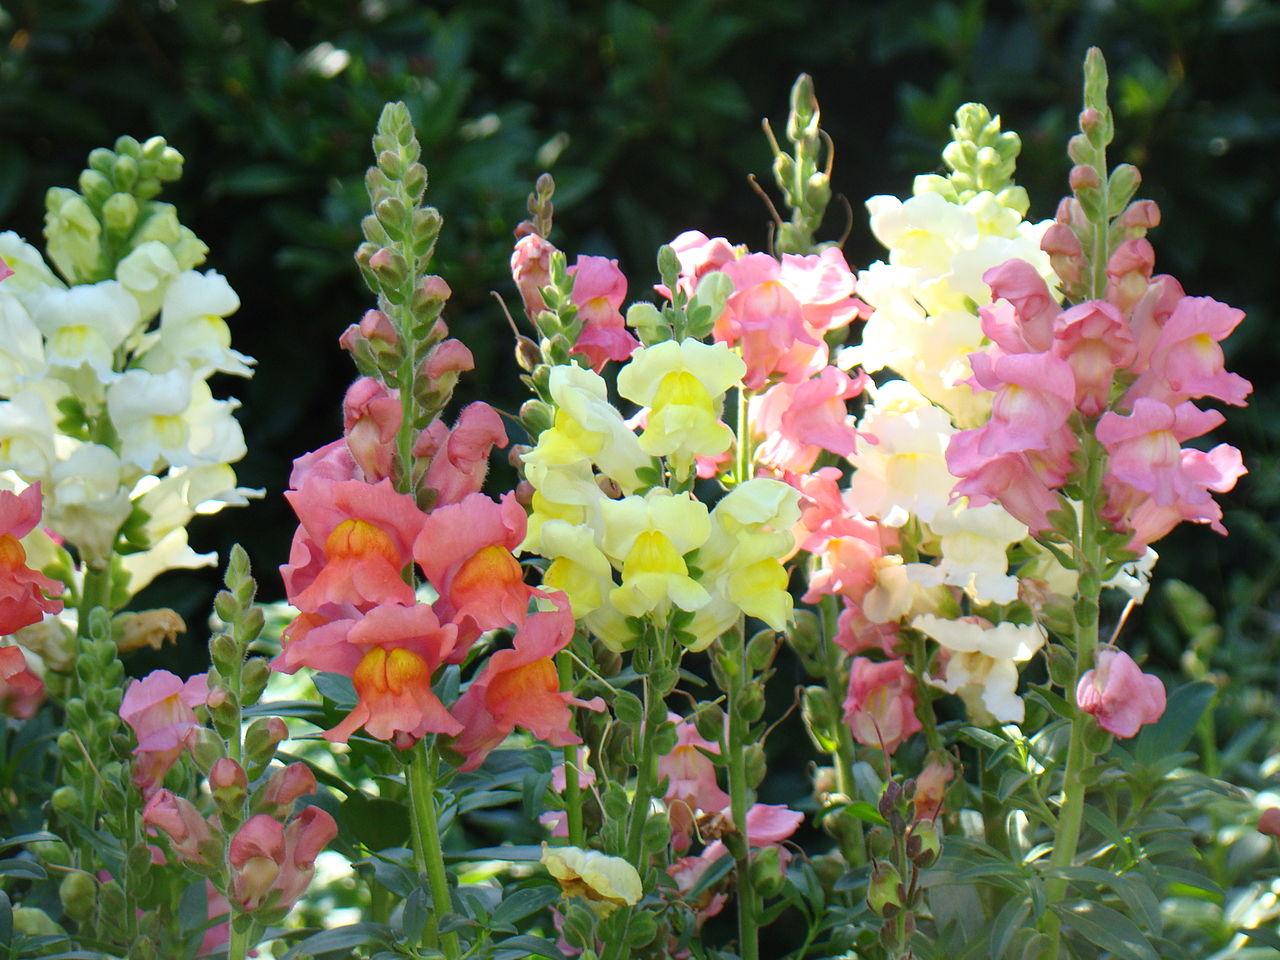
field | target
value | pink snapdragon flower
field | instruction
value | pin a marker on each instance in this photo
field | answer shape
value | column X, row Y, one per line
column 459, row 458
column 1119, row 695
column 698, row 255
column 780, row 311
column 371, row 417
column 273, row 864
column 26, row 595
column 1020, row 316
column 795, row 422
column 355, row 541
column 856, row 634
column 599, row 289
column 531, row 270
column 881, row 706
column 1096, row 342
column 394, row 652
column 520, row 687
column 189, row 834
column 465, row 551
column 1144, row 447
column 21, row 690
column 691, row 781
column 1034, row 399
column 160, row 709
column 1186, row 359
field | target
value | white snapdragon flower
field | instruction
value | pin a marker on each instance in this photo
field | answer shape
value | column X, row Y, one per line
column 31, row 277
column 185, row 493
column 26, row 435
column 903, row 590
column 171, row 418
column 904, row 471
column 85, row 501
column 980, row 662
column 146, row 273
column 974, row 546
column 85, row 325
column 173, row 552
column 216, row 435
column 21, row 346
column 193, row 328
column 925, row 325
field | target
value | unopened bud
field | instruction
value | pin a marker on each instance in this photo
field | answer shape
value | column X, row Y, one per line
column 228, row 783
column 436, row 288
column 289, row 784
column 524, row 494
column 710, row 722
column 767, row 874
column 536, row 417
column 65, row 799
column 1084, row 177
column 1269, row 822
column 261, row 738
column 78, row 891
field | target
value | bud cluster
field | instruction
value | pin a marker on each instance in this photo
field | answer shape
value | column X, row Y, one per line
column 805, row 185
column 908, row 845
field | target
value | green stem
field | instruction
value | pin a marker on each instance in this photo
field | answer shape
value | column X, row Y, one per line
column 643, row 796
column 924, row 708
column 427, row 849
column 845, row 752
column 1066, row 839
column 238, row 943
column 742, row 466
column 740, row 800
column 572, row 788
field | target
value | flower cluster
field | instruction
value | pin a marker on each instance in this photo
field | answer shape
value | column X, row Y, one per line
column 105, row 401
column 398, row 498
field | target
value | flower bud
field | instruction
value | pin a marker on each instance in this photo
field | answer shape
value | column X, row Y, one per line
column 1269, row 822
column 1083, row 177
column 207, row 748
column 536, row 417
column 65, row 799
column 262, row 737
column 767, row 874
column 228, row 783
column 528, row 354
column 78, row 892
column 709, row 721
column 288, row 785
column 33, row 922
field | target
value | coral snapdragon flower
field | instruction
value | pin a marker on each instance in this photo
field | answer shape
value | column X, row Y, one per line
column 355, row 542
column 520, row 688
column 465, row 552
column 26, row 595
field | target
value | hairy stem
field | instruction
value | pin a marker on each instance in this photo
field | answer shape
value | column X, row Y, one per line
column 1066, row 838
column 740, row 801
column 572, row 788
column 427, row 848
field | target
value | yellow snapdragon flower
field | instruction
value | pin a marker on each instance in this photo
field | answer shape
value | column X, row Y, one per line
column 649, row 537
column 578, row 567
column 587, row 429
column 683, row 386
column 605, row 882
column 751, row 534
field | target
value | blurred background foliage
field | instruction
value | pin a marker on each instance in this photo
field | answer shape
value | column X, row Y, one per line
column 647, row 113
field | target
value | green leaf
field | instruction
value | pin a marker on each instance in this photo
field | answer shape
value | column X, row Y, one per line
column 523, row 903
column 376, row 822
column 1171, row 732
column 517, row 948
column 1011, row 918
column 1108, row 929
column 336, row 687
column 341, row 938
column 526, row 853
column 26, row 869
